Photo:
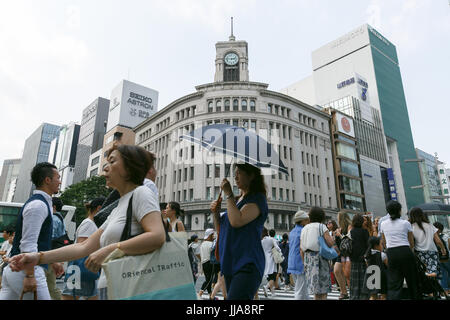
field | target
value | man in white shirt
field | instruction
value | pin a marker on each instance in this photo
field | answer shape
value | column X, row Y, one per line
column 34, row 236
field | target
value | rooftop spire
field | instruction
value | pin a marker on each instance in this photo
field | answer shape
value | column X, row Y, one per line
column 232, row 38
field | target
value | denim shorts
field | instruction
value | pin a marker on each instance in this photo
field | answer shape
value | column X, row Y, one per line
column 88, row 290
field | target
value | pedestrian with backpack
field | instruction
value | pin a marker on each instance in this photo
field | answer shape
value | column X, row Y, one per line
column 59, row 239
column 88, row 288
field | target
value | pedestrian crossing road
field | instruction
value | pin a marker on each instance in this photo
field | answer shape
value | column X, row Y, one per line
column 279, row 295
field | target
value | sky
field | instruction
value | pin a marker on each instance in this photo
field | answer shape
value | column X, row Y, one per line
column 58, row 56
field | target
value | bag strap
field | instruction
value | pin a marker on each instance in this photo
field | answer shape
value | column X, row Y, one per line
column 126, row 233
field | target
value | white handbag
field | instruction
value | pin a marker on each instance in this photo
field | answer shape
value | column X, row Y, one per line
column 164, row 274
column 277, row 255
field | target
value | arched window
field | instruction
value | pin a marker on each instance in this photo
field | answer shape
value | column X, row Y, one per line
column 219, row 106
column 227, row 105
column 210, row 107
column 244, row 105
column 252, row 105
column 235, row 105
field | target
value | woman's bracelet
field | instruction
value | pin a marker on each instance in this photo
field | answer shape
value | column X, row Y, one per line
column 40, row 258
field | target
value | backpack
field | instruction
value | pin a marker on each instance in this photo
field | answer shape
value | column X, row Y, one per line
column 63, row 240
column 345, row 247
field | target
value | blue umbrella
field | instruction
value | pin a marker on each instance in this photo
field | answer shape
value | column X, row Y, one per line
column 240, row 143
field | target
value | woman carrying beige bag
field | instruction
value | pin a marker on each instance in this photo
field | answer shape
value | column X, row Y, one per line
column 125, row 171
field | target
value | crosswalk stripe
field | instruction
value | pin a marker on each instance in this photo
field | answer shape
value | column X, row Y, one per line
column 279, row 295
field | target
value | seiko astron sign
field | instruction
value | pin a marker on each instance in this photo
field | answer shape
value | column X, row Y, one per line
column 131, row 104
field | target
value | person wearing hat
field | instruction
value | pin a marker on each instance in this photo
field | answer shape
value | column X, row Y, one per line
column 205, row 254
column 87, row 227
column 295, row 262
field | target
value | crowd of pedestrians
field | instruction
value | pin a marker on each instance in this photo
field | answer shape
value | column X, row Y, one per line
column 237, row 257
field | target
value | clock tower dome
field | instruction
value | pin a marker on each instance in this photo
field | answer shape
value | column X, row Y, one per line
column 231, row 60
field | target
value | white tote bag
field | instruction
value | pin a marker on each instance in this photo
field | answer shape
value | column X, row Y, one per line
column 164, row 274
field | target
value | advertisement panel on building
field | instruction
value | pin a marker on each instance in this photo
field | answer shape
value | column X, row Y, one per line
column 131, row 104
column 345, row 124
column 392, row 188
column 443, row 181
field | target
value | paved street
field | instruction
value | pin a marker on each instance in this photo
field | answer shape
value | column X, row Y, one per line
column 279, row 294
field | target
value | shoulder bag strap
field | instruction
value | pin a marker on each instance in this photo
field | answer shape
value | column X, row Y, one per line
column 126, row 233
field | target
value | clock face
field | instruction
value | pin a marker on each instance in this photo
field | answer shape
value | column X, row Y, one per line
column 231, row 59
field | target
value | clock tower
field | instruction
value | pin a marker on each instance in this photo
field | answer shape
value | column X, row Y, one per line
column 231, row 60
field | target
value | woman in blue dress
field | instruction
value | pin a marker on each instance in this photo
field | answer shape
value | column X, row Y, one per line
column 240, row 227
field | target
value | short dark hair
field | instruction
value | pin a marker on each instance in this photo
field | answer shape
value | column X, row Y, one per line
column 57, row 203
column 285, row 237
column 439, row 226
column 95, row 203
column 136, row 161
column 163, row 205
column 272, row 233
column 10, row 230
column 394, row 208
column 358, row 220
column 316, row 214
column 41, row 171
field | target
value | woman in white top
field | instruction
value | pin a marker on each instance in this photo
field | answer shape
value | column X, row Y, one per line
column 270, row 269
column 88, row 290
column 425, row 237
column 172, row 213
column 125, row 171
column 316, row 267
column 398, row 239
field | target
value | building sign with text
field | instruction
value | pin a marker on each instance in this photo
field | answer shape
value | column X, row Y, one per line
column 391, row 181
column 131, row 104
